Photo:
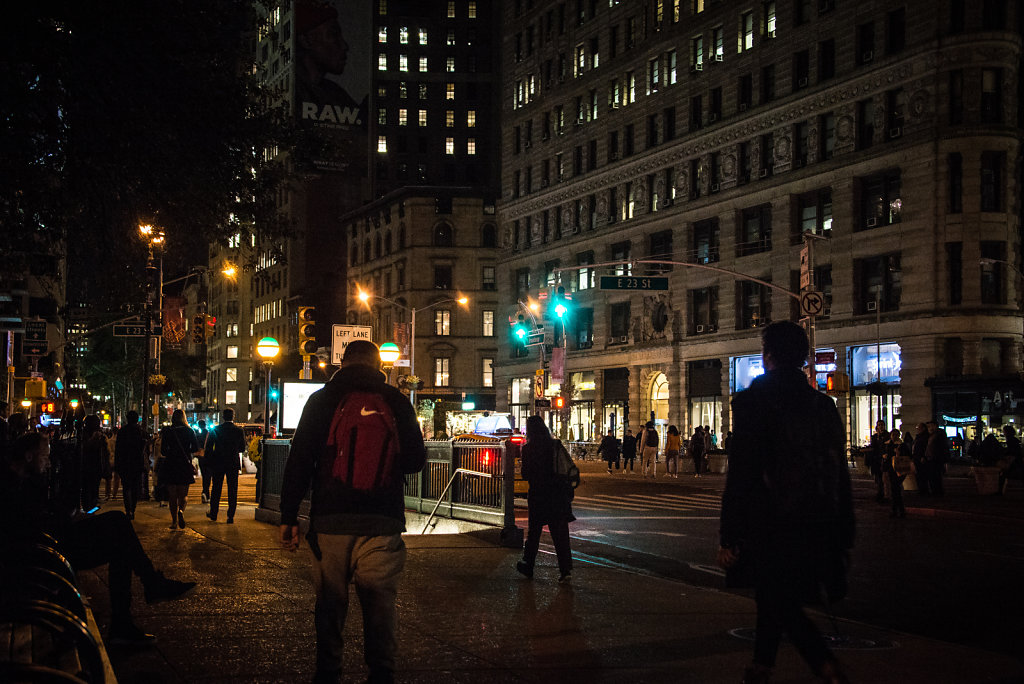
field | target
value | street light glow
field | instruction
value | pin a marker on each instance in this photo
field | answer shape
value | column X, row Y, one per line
column 230, row 270
column 389, row 352
column 268, row 348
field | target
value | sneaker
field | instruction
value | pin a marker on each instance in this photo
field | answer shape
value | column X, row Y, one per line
column 211, row 516
column 159, row 588
column 181, row 520
column 174, row 525
column 206, row 498
column 231, row 521
column 565, row 578
column 130, row 635
column 609, row 471
column 524, row 569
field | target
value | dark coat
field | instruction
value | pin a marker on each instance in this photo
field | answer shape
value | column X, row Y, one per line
column 787, row 505
column 548, row 497
column 629, row 446
column 609, row 448
column 130, row 450
column 336, row 508
column 224, row 444
column 177, row 445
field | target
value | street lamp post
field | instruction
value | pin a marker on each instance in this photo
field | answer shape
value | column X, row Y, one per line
column 267, row 349
column 154, row 238
column 365, row 297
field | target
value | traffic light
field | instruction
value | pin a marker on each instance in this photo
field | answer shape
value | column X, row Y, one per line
column 560, row 302
column 307, row 330
column 558, row 403
column 211, row 326
column 198, row 329
column 837, row 382
column 520, row 330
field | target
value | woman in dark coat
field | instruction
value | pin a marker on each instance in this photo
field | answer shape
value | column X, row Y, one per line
column 548, row 499
column 177, row 445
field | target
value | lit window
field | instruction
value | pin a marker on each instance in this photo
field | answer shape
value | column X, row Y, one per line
column 382, row 143
column 472, row 9
column 423, row 36
column 423, row 64
column 449, row 118
column 230, row 397
column 403, row 117
column 382, row 7
column 423, row 117
column 488, row 376
column 403, row 35
column 450, row 65
column 232, row 351
column 382, row 62
column 382, row 34
column 488, row 328
column 449, row 91
column 442, row 322
column 230, row 375
column 471, row 118
column 403, row 62
column 382, row 116
column 451, row 37
column 403, row 90
column 451, row 9
column 746, row 31
column 449, row 145
column 471, row 146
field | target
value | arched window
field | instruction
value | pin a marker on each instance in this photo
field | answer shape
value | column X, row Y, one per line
column 444, row 236
column 488, row 235
column 401, row 236
column 376, row 247
column 366, row 250
column 387, row 242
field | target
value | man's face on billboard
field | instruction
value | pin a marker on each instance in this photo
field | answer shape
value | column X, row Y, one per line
column 328, row 46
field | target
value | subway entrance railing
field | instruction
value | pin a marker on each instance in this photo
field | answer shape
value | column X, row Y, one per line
column 484, row 494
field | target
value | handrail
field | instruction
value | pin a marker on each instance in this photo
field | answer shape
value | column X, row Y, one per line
column 440, row 499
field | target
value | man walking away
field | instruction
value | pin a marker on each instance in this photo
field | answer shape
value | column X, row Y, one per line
column 920, row 448
column 224, row 447
column 204, row 466
column 649, row 450
column 787, row 509
column 937, row 453
column 357, row 511
column 628, row 451
column 696, row 448
column 130, row 461
column 609, row 450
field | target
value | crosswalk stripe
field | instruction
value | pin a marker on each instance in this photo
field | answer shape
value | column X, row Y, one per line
column 650, row 500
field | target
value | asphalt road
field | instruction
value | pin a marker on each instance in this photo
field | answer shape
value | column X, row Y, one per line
column 950, row 579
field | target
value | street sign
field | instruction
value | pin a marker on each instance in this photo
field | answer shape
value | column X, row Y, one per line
column 812, row 303
column 341, row 335
column 542, row 403
column 136, row 330
column 34, row 342
column 633, row 283
column 534, row 338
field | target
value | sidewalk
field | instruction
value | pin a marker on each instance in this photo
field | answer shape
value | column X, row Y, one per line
column 467, row 616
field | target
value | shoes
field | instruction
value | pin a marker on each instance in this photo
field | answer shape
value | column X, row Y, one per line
column 159, row 588
column 524, row 569
column 174, row 525
column 181, row 520
column 206, row 498
column 231, row 521
column 130, row 635
column 211, row 516
column 609, row 471
column 565, row 578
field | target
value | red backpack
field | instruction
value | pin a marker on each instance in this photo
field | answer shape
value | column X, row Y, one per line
column 364, row 438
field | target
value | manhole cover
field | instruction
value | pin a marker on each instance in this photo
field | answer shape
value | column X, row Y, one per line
column 838, row 643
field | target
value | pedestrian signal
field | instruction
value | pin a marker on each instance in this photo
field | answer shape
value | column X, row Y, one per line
column 559, row 403
column 837, row 382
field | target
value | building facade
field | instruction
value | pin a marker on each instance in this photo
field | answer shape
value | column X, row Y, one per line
column 717, row 136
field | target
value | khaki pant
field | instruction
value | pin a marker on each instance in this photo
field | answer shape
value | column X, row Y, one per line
column 649, row 460
column 374, row 565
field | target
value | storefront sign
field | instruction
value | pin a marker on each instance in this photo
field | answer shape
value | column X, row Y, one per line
column 964, row 420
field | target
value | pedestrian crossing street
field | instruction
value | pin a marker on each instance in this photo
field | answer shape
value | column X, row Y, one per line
column 649, row 503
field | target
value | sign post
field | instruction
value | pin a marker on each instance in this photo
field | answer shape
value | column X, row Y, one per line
column 342, row 335
column 34, row 342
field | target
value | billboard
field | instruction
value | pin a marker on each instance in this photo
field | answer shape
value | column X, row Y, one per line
column 332, row 80
column 293, row 399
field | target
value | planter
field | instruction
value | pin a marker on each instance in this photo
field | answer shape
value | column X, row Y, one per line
column 987, row 479
column 718, row 463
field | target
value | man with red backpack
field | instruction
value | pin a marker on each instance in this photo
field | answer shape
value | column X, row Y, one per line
column 355, row 441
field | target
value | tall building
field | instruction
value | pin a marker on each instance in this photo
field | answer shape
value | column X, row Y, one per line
column 716, row 136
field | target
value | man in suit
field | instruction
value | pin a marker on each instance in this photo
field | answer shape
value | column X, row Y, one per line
column 226, row 442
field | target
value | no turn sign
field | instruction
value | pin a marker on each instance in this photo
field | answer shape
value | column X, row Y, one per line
column 812, row 303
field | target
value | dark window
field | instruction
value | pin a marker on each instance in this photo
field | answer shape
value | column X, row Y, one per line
column 956, row 96
column 442, row 277
column 715, row 104
column 801, row 144
column 991, row 95
column 577, row 160
column 487, row 281
column 993, row 256
column 956, row 16
column 801, row 69
column 755, row 305
column 992, row 165
column 694, row 165
column 652, row 130
column 745, row 92
column 661, row 248
column 880, row 204
column 865, row 124
column 628, row 138
column 955, row 169
column 696, row 112
column 895, row 106
column 826, row 136
column 522, row 282
column 704, row 305
column 669, row 119
column 584, row 334
column 767, row 154
column 823, row 284
column 879, row 283
column 619, row 320
column 826, row 59
column 955, row 264
column 814, row 214
column 613, row 146
column 993, row 15
column 895, row 30
column 705, row 241
column 801, row 11
column 767, row 83
column 865, row 43
column 755, row 230
column 744, row 163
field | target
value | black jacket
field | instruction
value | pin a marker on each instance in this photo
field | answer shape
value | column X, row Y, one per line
column 130, row 450
column 775, row 507
column 336, row 508
column 224, row 444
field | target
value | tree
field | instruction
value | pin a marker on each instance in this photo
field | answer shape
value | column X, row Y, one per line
column 113, row 367
column 134, row 111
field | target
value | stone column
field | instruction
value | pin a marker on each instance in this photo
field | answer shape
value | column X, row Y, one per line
column 919, row 362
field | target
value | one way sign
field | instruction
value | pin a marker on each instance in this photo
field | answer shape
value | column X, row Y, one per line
column 812, row 303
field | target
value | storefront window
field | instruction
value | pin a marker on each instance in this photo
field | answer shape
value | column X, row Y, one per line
column 881, row 362
column 745, row 369
column 707, row 411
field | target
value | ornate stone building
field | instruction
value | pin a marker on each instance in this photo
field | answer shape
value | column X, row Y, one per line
column 725, row 137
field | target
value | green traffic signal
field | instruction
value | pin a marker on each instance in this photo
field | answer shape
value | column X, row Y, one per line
column 561, row 306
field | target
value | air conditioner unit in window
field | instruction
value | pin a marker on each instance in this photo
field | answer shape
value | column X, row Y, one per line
column 545, row 183
column 575, row 229
column 715, row 187
column 743, row 106
column 712, row 328
column 871, row 222
column 763, row 174
column 802, row 83
column 867, row 56
column 624, row 339
column 719, row 58
column 666, row 202
column 712, row 117
column 700, row 328
column 872, row 305
column 694, row 194
column 896, row 132
column 526, row 145
column 697, row 67
column 771, row 34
